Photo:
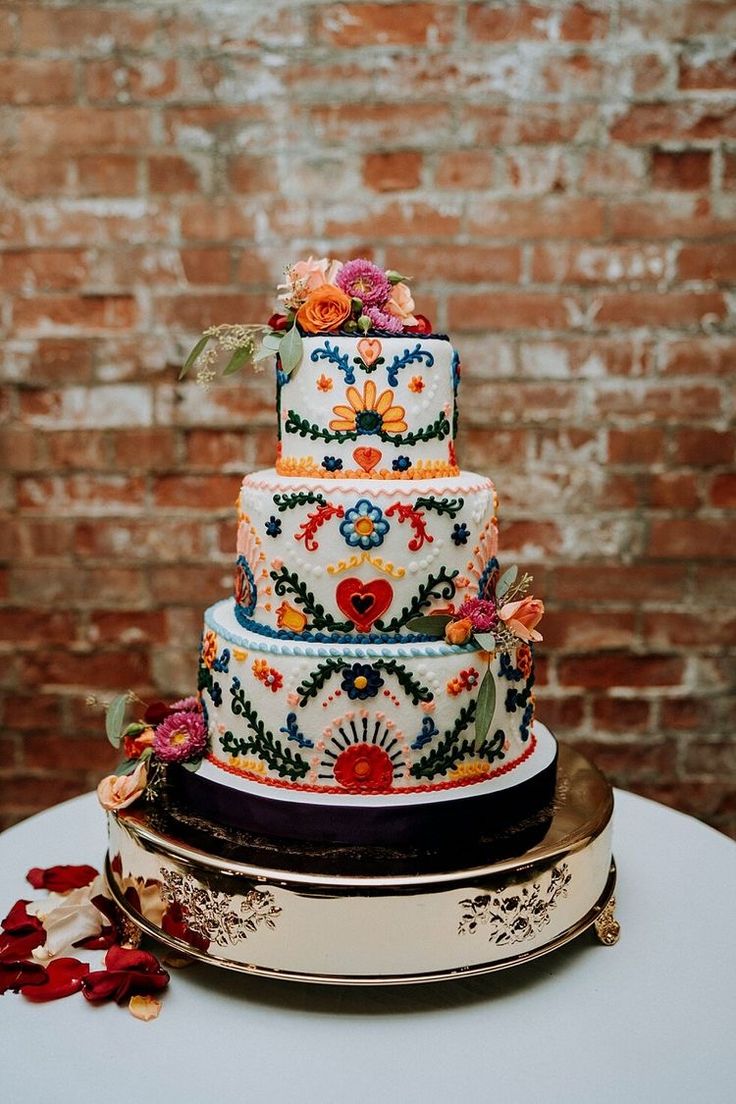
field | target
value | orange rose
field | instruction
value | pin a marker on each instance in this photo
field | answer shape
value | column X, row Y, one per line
column 324, row 310
column 459, row 632
column 523, row 616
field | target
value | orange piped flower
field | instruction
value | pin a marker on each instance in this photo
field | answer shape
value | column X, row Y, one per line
column 416, row 384
column 324, row 310
column 289, row 617
column 324, row 383
column 369, row 413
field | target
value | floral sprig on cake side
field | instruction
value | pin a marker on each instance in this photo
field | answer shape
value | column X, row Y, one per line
column 318, row 296
column 504, row 619
column 175, row 733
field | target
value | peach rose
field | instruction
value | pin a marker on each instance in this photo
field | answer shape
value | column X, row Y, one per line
column 117, row 791
column 324, row 310
column 522, row 617
column 459, row 632
column 401, row 305
column 305, row 277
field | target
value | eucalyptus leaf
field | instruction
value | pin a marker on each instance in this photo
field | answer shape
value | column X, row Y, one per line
column 273, row 341
column 290, row 350
column 263, row 354
column 198, row 348
column 127, row 766
column 486, row 641
column 114, row 717
column 430, row 626
column 192, row 765
column 506, row 580
column 238, row 360
column 485, row 705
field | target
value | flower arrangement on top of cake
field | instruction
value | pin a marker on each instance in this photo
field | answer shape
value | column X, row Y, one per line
column 319, row 296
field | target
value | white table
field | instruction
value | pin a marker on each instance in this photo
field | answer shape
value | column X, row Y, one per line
column 652, row 1019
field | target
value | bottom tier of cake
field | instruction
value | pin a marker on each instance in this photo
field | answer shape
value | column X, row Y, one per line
column 364, row 743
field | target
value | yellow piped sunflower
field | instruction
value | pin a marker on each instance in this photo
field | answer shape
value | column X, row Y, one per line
column 369, row 413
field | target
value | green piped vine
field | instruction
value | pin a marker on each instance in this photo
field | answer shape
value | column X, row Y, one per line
column 299, row 498
column 286, row 763
column 439, row 587
column 437, row 430
column 448, row 753
column 322, row 675
column 288, row 582
column 449, row 506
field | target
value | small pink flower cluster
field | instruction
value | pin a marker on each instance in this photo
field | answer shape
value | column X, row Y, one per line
column 375, row 299
column 481, row 615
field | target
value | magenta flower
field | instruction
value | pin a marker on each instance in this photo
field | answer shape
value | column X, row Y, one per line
column 481, row 612
column 186, row 705
column 181, row 736
column 383, row 321
column 361, row 279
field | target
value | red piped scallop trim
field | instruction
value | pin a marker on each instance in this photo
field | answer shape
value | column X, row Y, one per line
column 426, row 788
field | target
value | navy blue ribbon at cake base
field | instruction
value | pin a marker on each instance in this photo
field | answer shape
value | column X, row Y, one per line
column 430, row 825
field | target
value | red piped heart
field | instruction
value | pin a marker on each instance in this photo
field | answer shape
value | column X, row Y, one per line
column 364, row 603
column 367, row 458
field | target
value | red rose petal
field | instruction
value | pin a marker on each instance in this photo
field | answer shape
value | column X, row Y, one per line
column 16, row 975
column 61, row 879
column 423, row 326
column 278, row 321
column 63, row 977
column 129, row 973
column 106, row 938
column 156, row 712
column 19, row 921
column 130, row 958
column 14, row 947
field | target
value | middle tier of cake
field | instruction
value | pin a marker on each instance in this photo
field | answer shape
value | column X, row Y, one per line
column 325, row 559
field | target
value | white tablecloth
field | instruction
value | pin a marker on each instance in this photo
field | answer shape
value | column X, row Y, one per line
column 651, row 1019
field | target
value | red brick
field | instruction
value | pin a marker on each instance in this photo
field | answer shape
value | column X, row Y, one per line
column 469, row 168
column 704, row 447
column 37, row 81
column 78, row 128
column 530, row 538
column 562, row 714
column 36, row 712
column 729, row 171
column 694, row 538
column 687, row 714
column 573, row 630
column 24, row 628
column 688, row 170
column 206, row 266
column 707, row 261
column 681, row 630
column 522, row 21
column 665, row 403
column 176, row 585
column 537, row 123
column 25, row 793
column 21, row 449
column 712, row 355
column 542, row 217
column 631, row 762
column 468, row 264
column 71, row 449
column 657, row 122
column 32, row 177
column 107, row 174
column 675, row 309
column 723, row 490
column 203, row 492
column 640, row 445
column 152, row 540
column 85, row 29
column 619, row 669
column 411, row 219
column 214, row 449
column 195, row 312
column 87, row 312
column 399, row 170
column 171, row 174
column 114, row 80
column 74, row 752
column 402, row 24
column 562, row 262
column 717, row 758
column 673, row 491
column 622, row 714
column 507, row 311
column 81, row 493
column 670, row 215
column 619, row 584
column 252, row 175
column 144, row 449
column 614, row 169
column 416, row 125
column 711, row 74
column 87, row 670
column 127, row 627
column 43, row 270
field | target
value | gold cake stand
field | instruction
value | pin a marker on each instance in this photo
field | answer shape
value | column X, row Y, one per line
column 375, row 930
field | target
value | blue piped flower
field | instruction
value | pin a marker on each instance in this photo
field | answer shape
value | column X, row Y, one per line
column 460, row 533
column 364, row 525
column 361, row 681
column 273, row 526
column 332, row 463
column 401, row 463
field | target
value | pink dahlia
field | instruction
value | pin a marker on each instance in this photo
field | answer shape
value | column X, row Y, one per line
column 181, row 736
column 481, row 612
column 361, row 279
column 382, row 321
column 186, row 705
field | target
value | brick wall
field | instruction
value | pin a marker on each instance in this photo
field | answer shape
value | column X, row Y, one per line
column 559, row 178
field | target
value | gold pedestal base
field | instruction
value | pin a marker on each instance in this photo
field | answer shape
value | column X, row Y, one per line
column 376, row 930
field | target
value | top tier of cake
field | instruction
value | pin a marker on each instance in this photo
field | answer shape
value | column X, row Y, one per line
column 377, row 407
